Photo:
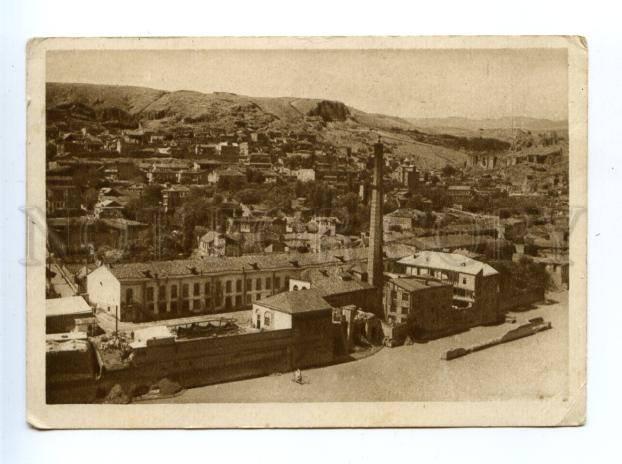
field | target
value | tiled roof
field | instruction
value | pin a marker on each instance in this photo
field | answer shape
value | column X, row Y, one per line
column 273, row 261
column 333, row 280
column 449, row 262
column 297, row 302
column 413, row 284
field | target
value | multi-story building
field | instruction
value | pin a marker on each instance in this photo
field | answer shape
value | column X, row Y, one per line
column 475, row 284
column 424, row 304
column 168, row 289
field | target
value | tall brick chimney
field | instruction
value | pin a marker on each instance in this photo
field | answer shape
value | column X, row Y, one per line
column 374, row 258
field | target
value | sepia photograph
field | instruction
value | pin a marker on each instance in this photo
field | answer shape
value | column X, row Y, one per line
column 330, row 232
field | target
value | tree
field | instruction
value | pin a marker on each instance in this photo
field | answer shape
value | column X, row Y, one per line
column 152, row 195
column 89, row 198
column 250, row 196
column 449, row 170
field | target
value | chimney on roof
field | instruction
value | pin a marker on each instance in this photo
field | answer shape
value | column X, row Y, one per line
column 193, row 270
column 147, row 274
column 295, row 263
column 255, row 266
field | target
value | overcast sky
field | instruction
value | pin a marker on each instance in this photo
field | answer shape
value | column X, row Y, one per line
column 407, row 83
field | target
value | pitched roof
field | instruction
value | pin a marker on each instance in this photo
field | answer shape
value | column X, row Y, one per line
column 448, row 262
column 333, row 280
column 297, row 302
column 413, row 284
column 215, row 264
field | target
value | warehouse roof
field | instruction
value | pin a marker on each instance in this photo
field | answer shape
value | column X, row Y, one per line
column 296, row 302
column 215, row 264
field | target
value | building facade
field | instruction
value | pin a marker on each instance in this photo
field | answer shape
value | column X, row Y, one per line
column 475, row 284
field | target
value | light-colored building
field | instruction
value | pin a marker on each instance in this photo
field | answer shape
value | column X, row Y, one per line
column 305, row 175
column 168, row 289
column 475, row 284
column 61, row 313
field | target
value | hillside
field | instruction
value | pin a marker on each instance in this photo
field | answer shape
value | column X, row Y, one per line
column 332, row 122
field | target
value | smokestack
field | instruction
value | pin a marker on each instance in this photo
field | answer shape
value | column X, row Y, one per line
column 374, row 259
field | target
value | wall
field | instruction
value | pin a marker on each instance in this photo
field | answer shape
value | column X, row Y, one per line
column 104, row 290
column 204, row 303
column 278, row 320
column 219, row 359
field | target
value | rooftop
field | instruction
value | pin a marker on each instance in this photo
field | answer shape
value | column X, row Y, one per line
column 215, row 264
column 333, row 280
column 297, row 302
column 449, row 262
column 67, row 305
column 412, row 284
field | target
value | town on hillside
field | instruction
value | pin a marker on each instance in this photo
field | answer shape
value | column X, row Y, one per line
column 195, row 239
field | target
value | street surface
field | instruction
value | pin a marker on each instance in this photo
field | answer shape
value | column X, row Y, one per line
column 531, row 367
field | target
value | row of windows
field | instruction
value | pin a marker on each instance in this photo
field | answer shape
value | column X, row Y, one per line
column 200, row 305
column 196, row 289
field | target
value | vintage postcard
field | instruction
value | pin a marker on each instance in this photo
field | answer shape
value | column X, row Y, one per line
column 307, row 232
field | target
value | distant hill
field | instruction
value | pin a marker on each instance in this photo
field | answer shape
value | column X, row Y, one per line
column 433, row 143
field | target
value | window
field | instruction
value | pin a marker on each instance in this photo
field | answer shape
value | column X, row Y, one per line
column 268, row 283
column 258, row 296
column 228, row 286
column 404, row 310
column 151, row 307
column 162, row 292
column 277, row 283
column 464, row 280
column 196, row 305
column 197, row 288
column 162, row 306
column 149, row 296
column 249, row 284
column 393, row 294
column 228, row 302
column 184, row 290
column 405, row 296
column 129, row 296
column 238, row 301
column 248, row 299
column 208, row 288
column 266, row 319
column 258, row 284
column 238, row 285
column 185, row 305
column 173, row 291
